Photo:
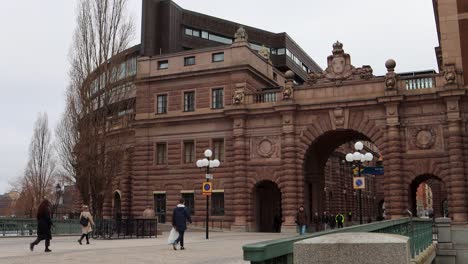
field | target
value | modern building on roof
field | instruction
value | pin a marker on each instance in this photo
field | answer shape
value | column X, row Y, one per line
column 168, row 28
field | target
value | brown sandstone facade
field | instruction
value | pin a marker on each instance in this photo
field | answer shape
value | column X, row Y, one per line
column 282, row 145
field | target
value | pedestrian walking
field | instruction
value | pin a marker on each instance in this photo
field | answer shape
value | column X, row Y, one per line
column 317, row 221
column 301, row 220
column 86, row 221
column 277, row 221
column 44, row 224
column 325, row 220
column 180, row 216
column 339, row 220
column 331, row 221
column 350, row 218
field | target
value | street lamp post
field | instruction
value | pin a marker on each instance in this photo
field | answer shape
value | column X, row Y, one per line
column 359, row 158
column 58, row 193
column 208, row 163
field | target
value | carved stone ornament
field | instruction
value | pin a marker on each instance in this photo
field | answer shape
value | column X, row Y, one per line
column 340, row 69
column 288, row 89
column 339, row 117
column 241, row 35
column 265, row 53
column 423, row 137
column 265, row 148
column 238, row 97
column 390, row 77
column 450, row 74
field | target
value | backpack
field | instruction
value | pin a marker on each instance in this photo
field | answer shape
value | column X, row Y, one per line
column 84, row 221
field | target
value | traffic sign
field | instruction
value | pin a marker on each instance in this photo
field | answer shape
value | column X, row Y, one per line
column 373, row 170
column 359, row 183
column 207, row 188
column 209, row 176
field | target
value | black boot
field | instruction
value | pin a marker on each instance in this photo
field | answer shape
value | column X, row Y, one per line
column 47, row 244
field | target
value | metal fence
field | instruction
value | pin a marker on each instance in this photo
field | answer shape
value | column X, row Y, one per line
column 104, row 228
column 125, row 228
column 28, row 227
column 280, row 251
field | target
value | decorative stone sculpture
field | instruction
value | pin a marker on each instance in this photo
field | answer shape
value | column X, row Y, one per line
column 238, row 97
column 390, row 77
column 149, row 213
column 288, row 88
column 450, row 74
column 265, row 53
column 340, row 69
column 241, row 35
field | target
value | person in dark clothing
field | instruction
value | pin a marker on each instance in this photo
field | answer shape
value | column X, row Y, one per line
column 277, row 220
column 44, row 224
column 331, row 221
column 317, row 221
column 350, row 218
column 325, row 220
column 180, row 216
column 339, row 220
column 301, row 220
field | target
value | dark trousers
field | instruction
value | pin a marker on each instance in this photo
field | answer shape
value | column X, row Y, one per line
column 47, row 242
column 83, row 236
column 340, row 225
column 180, row 238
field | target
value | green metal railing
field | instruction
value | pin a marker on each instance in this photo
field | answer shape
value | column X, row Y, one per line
column 280, row 251
column 28, row 227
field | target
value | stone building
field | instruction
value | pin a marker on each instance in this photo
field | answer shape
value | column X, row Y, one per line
column 280, row 125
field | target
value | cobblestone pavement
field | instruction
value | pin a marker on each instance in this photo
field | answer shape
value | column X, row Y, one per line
column 222, row 247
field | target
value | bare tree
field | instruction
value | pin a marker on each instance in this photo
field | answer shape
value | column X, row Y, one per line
column 87, row 147
column 39, row 173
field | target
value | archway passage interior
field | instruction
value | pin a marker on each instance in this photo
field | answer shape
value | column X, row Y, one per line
column 267, row 207
column 428, row 196
column 328, row 177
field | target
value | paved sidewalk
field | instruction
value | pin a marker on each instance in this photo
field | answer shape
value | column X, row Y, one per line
column 222, row 247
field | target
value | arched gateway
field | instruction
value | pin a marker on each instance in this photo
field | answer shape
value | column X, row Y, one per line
column 284, row 147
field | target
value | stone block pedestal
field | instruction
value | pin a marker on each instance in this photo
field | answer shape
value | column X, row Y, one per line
column 353, row 248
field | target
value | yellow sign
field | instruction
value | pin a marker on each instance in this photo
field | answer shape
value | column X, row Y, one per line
column 359, row 183
column 207, row 188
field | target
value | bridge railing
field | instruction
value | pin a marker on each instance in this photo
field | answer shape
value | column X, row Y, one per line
column 280, row 251
column 28, row 227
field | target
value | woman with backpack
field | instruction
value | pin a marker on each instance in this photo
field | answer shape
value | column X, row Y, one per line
column 86, row 220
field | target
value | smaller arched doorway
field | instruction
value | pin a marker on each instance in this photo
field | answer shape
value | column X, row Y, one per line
column 267, row 207
column 427, row 194
column 117, row 206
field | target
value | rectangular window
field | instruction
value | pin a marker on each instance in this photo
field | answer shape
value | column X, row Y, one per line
column 160, row 206
column 188, row 31
column 220, row 39
column 161, row 104
column 189, row 152
column 189, row 61
column 163, row 65
column 189, row 202
column 161, row 153
column 189, row 101
column 196, row 33
column 217, row 203
column 204, row 35
column 217, row 98
column 281, row 51
column 218, row 149
column 275, row 76
column 217, row 57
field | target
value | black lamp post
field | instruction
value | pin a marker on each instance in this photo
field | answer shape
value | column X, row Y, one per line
column 359, row 158
column 207, row 163
column 58, row 193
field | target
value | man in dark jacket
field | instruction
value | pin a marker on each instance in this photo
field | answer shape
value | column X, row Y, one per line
column 180, row 216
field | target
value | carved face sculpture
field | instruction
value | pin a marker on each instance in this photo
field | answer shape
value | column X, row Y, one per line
column 338, row 64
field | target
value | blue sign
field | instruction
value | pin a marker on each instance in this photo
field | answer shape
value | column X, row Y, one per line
column 373, row 170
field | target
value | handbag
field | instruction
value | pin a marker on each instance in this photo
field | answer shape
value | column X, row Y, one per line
column 173, row 235
column 84, row 221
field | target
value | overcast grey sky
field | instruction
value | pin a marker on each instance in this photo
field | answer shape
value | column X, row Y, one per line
column 36, row 36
